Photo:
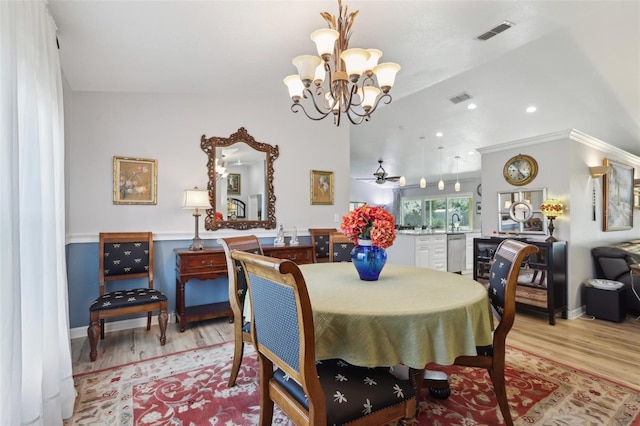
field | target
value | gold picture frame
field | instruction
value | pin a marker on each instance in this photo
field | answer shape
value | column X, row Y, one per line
column 617, row 196
column 135, row 180
column 321, row 187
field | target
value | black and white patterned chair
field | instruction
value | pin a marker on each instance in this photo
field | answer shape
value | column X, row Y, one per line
column 340, row 247
column 320, row 243
column 125, row 256
column 327, row 392
column 237, row 296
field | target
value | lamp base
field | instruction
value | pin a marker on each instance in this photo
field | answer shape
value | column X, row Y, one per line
column 551, row 238
column 196, row 244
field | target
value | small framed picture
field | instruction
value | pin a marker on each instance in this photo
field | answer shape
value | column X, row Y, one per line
column 478, row 207
column 321, row 187
column 135, row 181
column 233, row 184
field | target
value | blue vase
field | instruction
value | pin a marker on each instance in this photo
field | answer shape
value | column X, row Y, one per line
column 368, row 260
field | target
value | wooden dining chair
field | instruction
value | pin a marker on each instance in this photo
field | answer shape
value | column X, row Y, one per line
column 320, row 243
column 503, row 279
column 125, row 256
column 237, row 296
column 340, row 247
column 310, row 392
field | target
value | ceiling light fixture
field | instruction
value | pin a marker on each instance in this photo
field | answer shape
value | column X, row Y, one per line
column 439, row 134
column 457, row 185
column 355, row 82
column 531, row 109
column 423, row 181
column 402, row 181
column 471, row 106
column 441, row 183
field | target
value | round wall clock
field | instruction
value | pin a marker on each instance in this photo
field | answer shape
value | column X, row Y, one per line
column 520, row 170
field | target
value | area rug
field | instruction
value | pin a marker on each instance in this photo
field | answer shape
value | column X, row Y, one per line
column 190, row 388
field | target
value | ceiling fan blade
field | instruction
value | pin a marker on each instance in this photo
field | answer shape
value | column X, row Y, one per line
column 393, row 178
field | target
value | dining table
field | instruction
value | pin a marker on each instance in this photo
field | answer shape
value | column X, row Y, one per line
column 410, row 316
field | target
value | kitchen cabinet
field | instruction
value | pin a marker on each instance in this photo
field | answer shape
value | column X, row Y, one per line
column 421, row 250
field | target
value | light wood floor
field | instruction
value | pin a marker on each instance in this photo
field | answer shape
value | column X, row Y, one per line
column 608, row 349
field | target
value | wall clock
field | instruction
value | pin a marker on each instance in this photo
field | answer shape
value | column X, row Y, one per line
column 520, row 170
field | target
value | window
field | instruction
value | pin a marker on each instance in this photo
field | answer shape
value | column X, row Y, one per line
column 437, row 213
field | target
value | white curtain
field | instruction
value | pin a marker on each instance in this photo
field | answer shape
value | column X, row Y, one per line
column 36, row 374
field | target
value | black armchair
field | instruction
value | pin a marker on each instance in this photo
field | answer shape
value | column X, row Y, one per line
column 613, row 263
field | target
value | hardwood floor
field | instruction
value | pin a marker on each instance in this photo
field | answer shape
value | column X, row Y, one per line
column 608, row 349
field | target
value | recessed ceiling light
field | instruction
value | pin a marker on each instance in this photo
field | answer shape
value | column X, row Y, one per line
column 472, row 153
column 531, row 109
column 439, row 134
column 471, row 106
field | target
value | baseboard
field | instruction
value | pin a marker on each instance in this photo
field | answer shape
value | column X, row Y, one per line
column 127, row 324
column 576, row 313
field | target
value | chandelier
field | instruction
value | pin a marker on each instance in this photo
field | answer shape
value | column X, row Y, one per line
column 340, row 80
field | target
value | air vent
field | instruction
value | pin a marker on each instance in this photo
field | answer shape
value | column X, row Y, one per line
column 460, row 98
column 505, row 25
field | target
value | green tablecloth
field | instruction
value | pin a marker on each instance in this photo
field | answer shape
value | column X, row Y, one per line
column 410, row 315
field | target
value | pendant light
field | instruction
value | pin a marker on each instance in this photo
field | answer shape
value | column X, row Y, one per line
column 403, row 181
column 441, row 183
column 423, row 181
column 457, row 185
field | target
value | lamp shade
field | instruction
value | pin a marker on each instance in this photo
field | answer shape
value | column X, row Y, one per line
column 598, row 171
column 196, row 199
column 552, row 208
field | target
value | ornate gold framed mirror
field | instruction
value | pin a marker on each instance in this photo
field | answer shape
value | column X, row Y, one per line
column 240, row 171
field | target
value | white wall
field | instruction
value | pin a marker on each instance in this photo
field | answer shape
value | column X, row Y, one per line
column 168, row 127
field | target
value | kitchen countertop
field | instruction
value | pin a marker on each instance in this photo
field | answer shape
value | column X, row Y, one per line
column 433, row 232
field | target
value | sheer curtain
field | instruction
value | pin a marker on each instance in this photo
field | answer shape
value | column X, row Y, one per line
column 37, row 384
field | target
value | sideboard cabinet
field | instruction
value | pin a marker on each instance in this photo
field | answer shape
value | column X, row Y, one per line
column 542, row 282
column 210, row 264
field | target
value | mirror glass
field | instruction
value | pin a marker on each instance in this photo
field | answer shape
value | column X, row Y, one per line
column 240, row 184
column 519, row 211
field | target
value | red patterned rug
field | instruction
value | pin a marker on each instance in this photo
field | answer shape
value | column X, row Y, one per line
column 190, row 388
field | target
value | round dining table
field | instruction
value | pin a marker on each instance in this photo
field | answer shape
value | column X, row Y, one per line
column 410, row 315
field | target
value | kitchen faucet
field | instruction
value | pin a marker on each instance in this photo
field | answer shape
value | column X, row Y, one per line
column 453, row 224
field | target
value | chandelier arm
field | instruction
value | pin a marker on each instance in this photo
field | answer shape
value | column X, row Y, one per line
column 323, row 108
column 359, row 119
column 297, row 107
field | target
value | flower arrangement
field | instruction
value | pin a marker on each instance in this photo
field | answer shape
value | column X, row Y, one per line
column 369, row 223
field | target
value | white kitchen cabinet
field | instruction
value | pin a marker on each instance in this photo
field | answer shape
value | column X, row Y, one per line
column 422, row 250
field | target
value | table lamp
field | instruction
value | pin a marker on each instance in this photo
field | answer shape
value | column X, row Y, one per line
column 196, row 199
column 551, row 209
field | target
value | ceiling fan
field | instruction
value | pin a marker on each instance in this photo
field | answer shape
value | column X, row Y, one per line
column 381, row 176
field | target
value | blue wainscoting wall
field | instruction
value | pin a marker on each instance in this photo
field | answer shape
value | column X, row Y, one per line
column 82, row 277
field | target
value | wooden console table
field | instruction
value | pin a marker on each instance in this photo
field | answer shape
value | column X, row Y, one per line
column 210, row 264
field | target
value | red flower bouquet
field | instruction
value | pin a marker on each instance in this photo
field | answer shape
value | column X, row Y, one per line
column 369, row 223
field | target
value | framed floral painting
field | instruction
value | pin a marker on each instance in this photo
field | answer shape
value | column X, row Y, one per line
column 135, row 181
column 321, row 187
column 618, row 196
